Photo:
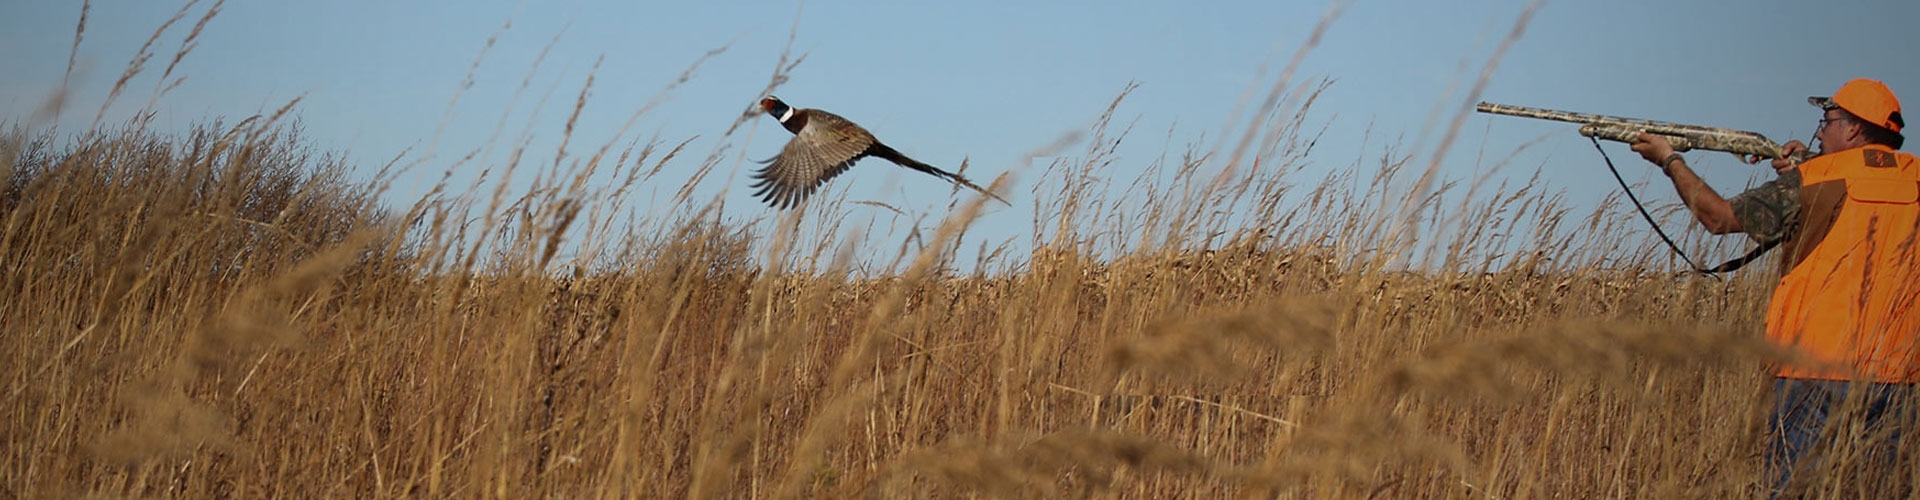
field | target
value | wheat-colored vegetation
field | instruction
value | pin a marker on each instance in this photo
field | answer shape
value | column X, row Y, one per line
column 229, row 314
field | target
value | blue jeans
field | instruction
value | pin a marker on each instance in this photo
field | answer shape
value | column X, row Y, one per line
column 1863, row 439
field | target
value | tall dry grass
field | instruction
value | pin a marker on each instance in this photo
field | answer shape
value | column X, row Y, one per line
column 226, row 314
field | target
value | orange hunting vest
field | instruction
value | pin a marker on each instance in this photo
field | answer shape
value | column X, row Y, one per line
column 1848, row 298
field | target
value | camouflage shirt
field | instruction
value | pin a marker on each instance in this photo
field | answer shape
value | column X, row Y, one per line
column 1771, row 212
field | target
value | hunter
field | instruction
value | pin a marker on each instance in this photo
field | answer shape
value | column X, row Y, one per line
column 1845, row 223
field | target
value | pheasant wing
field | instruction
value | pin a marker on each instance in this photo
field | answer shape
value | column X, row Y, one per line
column 824, row 149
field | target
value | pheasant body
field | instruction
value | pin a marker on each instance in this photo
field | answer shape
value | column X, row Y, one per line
column 825, row 145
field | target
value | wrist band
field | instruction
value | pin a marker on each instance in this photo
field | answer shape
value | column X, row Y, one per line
column 1667, row 164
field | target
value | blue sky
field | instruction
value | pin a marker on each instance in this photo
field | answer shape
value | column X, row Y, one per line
column 986, row 81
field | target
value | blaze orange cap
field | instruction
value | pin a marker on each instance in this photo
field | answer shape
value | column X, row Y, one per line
column 1868, row 99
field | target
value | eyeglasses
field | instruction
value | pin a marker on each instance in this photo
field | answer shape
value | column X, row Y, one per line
column 1825, row 121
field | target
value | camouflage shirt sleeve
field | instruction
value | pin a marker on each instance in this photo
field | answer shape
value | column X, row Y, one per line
column 1770, row 212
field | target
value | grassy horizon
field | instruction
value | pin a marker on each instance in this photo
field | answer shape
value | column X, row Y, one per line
column 227, row 313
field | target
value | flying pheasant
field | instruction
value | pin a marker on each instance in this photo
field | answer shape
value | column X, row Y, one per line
column 824, row 146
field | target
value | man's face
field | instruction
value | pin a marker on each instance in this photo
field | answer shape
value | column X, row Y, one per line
column 1836, row 131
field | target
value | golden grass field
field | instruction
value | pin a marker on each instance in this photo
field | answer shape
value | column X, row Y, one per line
column 229, row 314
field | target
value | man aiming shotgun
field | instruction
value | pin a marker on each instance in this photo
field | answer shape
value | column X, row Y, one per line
column 1847, row 222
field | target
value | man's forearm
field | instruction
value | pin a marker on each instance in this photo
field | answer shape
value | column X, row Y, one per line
column 1712, row 210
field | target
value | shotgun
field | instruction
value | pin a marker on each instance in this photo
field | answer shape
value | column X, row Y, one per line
column 1683, row 137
